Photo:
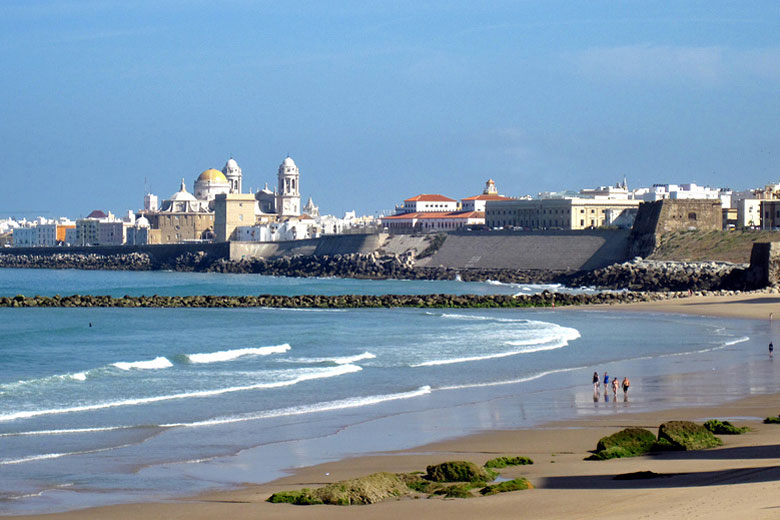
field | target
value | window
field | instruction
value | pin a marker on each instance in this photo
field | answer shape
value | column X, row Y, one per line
column 692, row 215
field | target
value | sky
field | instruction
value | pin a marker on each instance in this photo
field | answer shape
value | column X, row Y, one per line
column 379, row 101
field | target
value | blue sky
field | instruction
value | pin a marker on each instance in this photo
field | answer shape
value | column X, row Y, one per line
column 379, row 101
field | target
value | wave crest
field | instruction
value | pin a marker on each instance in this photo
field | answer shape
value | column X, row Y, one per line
column 229, row 355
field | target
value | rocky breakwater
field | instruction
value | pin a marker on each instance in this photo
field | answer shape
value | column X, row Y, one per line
column 91, row 261
column 372, row 266
column 349, row 301
column 653, row 275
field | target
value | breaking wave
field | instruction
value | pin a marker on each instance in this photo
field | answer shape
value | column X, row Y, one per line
column 304, row 375
column 229, row 355
column 153, row 364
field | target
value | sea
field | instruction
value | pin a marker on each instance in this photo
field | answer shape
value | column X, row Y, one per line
column 103, row 406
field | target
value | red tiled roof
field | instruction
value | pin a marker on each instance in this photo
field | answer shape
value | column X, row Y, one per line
column 437, row 214
column 487, row 197
column 97, row 214
column 430, row 197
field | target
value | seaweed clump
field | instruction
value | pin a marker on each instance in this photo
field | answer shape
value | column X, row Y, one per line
column 631, row 442
column 363, row 490
column 459, row 471
column 517, row 484
column 724, row 427
column 772, row 420
column 502, row 462
column 685, row 436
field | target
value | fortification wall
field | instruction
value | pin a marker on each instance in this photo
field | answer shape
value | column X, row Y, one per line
column 327, row 245
column 667, row 216
column 543, row 250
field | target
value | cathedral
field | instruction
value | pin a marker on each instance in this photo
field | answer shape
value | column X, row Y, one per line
column 282, row 203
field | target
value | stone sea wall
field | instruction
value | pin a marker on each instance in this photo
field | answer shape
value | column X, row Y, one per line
column 544, row 299
column 638, row 275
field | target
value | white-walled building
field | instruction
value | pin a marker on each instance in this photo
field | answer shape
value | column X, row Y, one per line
column 288, row 195
column 428, row 202
column 749, row 213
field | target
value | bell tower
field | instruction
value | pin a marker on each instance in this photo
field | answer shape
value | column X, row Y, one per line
column 288, row 195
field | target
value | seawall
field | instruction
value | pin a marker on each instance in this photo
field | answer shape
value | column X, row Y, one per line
column 531, row 250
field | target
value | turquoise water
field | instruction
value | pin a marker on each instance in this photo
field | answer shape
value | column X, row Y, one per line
column 111, row 405
column 48, row 282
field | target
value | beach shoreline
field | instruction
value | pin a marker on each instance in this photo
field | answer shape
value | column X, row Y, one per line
column 567, row 442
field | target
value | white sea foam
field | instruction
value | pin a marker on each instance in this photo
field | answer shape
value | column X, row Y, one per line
column 339, row 360
column 304, row 375
column 67, row 431
column 229, row 355
column 511, row 381
column 549, row 341
column 46, row 456
column 79, row 376
column 153, row 364
column 352, row 402
column 710, row 349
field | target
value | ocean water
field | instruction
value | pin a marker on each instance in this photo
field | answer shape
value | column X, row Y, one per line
column 103, row 406
column 48, row 282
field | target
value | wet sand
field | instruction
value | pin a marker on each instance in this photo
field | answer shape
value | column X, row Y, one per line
column 739, row 480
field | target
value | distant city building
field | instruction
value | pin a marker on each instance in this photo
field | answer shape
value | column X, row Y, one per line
column 234, row 175
column 478, row 202
column 561, row 213
column 232, row 210
column 427, row 202
column 288, row 197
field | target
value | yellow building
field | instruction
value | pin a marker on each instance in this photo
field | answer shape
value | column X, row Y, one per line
column 232, row 210
column 563, row 213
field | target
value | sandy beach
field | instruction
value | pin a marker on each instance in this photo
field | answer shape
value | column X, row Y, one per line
column 737, row 480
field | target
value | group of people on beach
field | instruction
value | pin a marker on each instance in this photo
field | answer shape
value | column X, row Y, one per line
column 626, row 384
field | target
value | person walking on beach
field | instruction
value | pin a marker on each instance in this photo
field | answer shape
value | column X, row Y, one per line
column 626, row 385
column 606, row 380
column 595, row 381
column 615, row 385
column 771, row 349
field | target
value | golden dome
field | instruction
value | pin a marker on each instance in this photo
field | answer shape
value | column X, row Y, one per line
column 212, row 175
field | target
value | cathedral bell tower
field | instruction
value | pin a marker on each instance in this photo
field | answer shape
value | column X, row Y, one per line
column 233, row 174
column 288, row 195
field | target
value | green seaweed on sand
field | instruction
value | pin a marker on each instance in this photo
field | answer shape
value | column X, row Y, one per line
column 363, row 490
column 502, row 462
column 772, row 420
column 685, row 436
column 459, row 471
column 724, row 427
column 517, row 484
column 631, row 442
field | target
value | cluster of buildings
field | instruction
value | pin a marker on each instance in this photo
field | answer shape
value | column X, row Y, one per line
column 606, row 206
column 217, row 209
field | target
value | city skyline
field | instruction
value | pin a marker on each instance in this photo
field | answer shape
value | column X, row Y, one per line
column 379, row 103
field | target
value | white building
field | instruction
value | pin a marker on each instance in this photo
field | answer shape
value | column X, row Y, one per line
column 478, row 202
column 428, row 202
column 233, row 174
column 749, row 213
column 680, row 192
column 288, row 196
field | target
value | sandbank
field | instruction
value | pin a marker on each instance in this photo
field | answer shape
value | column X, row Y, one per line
column 753, row 305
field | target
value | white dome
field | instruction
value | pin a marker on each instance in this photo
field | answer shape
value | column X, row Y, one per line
column 183, row 195
column 231, row 164
column 142, row 222
column 289, row 162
